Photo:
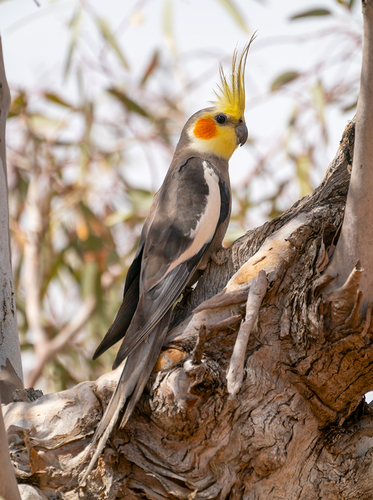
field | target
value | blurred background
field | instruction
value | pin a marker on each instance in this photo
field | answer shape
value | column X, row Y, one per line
column 100, row 93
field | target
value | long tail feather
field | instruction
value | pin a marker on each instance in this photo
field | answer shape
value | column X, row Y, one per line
column 155, row 341
column 122, row 320
column 136, row 371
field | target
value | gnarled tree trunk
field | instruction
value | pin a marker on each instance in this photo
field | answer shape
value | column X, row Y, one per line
column 297, row 428
column 258, row 393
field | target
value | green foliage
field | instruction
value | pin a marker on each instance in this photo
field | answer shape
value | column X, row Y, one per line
column 349, row 4
column 79, row 254
column 74, row 25
column 111, row 40
column 129, row 104
column 235, row 13
column 284, row 79
column 311, row 13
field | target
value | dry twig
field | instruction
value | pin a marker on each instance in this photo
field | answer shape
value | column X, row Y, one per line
column 254, row 300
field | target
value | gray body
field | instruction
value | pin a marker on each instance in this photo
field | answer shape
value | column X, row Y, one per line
column 187, row 222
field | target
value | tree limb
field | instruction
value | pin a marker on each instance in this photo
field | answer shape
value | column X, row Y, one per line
column 187, row 437
column 10, row 353
column 257, row 291
column 356, row 238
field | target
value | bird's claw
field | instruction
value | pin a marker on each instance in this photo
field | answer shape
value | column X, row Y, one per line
column 219, row 257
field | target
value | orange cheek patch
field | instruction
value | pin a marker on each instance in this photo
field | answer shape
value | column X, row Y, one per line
column 205, row 128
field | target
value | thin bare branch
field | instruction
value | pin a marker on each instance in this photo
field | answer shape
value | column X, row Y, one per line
column 198, row 350
column 257, row 291
column 33, row 263
column 51, row 347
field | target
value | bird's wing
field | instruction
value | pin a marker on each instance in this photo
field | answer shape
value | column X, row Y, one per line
column 184, row 216
column 127, row 309
column 190, row 208
column 193, row 202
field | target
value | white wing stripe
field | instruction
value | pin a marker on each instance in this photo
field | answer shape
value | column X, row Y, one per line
column 206, row 227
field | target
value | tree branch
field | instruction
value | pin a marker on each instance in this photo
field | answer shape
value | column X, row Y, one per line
column 187, row 437
column 50, row 348
column 32, row 258
column 256, row 294
column 356, row 238
column 10, row 353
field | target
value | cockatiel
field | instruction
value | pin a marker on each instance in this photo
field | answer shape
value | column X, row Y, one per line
column 185, row 226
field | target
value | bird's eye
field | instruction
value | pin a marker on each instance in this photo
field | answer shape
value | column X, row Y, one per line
column 220, row 118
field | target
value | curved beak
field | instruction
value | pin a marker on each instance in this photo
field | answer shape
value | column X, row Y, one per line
column 241, row 133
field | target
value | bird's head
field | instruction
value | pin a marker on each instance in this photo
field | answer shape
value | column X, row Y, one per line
column 218, row 130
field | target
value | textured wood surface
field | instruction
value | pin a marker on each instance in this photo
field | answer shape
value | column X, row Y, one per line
column 297, row 429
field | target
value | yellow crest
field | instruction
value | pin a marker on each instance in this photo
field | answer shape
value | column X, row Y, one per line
column 231, row 93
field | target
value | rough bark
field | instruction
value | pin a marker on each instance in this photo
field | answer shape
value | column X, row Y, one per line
column 298, row 428
column 8, row 483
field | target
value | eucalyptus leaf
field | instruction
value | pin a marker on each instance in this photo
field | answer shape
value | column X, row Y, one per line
column 235, row 13
column 111, row 40
column 74, row 32
column 129, row 104
column 311, row 13
column 167, row 26
column 283, row 79
column 152, row 66
column 50, row 96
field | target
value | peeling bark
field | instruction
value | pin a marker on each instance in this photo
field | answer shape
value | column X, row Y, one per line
column 8, row 484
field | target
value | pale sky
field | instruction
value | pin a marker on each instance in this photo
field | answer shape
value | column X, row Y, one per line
column 35, row 42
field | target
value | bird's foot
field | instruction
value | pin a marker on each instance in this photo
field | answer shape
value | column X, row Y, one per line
column 219, row 257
